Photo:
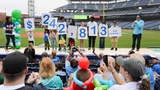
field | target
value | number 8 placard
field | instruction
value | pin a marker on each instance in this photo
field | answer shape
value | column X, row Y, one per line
column 82, row 33
column 61, row 28
column 103, row 31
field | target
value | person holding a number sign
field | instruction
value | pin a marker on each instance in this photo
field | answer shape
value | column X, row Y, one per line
column 82, row 40
column 62, row 19
column 30, row 37
column 54, row 39
column 137, row 32
column 46, row 39
column 114, row 39
column 71, row 41
column 102, row 39
column 92, row 39
column 9, row 26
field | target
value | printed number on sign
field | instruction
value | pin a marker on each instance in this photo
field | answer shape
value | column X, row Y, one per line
column 94, row 29
column 46, row 17
column 82, row 33
column 61, row 26
column 53, row 23
column 104, row 30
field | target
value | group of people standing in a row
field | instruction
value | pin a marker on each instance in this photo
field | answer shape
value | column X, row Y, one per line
column 137, row 34
column 71, row 42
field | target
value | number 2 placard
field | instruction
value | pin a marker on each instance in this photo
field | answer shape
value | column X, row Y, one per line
column 52, row 24
column 61, row 28
column 93, row 30
column 82, row 33
column 45, row 18
column 103, row 31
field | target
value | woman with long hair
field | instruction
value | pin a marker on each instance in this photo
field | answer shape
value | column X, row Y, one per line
column 9, row 26
column 30, row 52
column 47, row 74
column 71, row 41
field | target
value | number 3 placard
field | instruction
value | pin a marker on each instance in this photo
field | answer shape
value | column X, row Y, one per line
column 72, row 31
column 61, row 28
column 82, row 33
column 103, row 31
column 93, row 30
column 52, row 24
column 45, row 18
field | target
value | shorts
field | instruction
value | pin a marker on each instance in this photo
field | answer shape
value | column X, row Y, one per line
column 114, row 39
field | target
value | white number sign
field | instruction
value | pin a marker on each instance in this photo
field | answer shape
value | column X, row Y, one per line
column 29, row 24
column 45, row 18
column 52, row 23
column 93, row 30
column 72, row 31
column 61, row 28
column 82, row 32
column 115, row 32
column 103, row 30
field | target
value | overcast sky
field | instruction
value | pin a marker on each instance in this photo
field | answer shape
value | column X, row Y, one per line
column 41, row 6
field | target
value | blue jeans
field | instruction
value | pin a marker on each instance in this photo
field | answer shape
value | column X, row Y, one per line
column 54, row 45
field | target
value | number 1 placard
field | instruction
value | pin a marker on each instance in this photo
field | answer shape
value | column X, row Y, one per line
column 72, row 31
column 52, row 24
column 82, row 33
column 61, row 28
column 45, row 18
column 93, row 30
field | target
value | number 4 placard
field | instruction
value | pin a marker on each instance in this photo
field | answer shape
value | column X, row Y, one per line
column 82, row 33
column 52, row 24
column 72, row 31
column 45, row 18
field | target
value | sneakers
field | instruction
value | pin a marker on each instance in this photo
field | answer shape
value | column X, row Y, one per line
column 112, row 48
column 89, row 48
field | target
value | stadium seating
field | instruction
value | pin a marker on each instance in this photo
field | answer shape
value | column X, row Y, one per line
column 119, row 5
column 142, row 2
column 155, row 2
column 148, row 10
column 130, row 3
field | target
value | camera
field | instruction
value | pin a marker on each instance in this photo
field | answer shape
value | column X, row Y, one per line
column 74, row 49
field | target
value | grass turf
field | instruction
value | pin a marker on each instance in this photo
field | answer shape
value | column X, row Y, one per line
column 149, row 38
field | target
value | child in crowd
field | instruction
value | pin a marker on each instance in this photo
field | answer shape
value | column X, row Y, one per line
column 54, row 57
column 31, row 37
column 54, row 36
column 59, row 71
column 46, row 39
column 82, row 40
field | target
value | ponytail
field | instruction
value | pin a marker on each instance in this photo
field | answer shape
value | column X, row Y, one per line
column 145, row 84
column 30, row 47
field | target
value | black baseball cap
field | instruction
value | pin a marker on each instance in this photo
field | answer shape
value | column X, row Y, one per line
column 14, row 63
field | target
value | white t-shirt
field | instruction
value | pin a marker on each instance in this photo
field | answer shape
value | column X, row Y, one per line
column 127, row 86
column 2, row 87
column 30, row 36
column 91, row 23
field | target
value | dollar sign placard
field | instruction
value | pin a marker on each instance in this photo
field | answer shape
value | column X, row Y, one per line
column 29, row 24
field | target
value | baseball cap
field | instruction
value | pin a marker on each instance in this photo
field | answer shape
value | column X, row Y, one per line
column 157, row 56
column 114, row 22
column 44, row 54
column 14, row 62
column 156, row 68
column 132, row 65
